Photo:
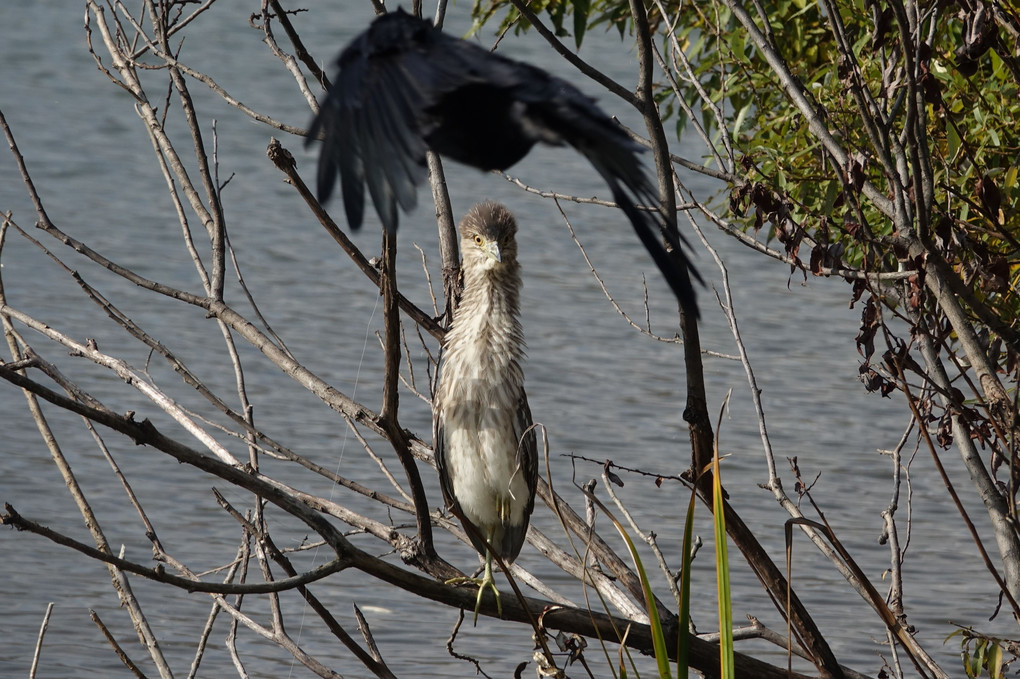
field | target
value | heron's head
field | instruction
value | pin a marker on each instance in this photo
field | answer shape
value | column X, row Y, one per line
column 487, row 236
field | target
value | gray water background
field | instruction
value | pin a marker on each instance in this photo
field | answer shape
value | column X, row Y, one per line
column 602, row 390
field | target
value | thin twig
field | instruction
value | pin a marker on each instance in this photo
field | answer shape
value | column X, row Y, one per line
column 37, row 653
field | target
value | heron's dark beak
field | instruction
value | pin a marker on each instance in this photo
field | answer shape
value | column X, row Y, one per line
column 492, row 250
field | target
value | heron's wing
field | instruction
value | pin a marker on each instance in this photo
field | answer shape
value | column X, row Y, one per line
column 439, row 443
column 373, row 120
column 527, row 464
column 439, row 446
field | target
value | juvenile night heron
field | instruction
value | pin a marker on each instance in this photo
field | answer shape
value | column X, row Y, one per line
column 404, row 86
column 485, row 445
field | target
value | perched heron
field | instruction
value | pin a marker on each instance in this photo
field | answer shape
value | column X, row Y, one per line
column 485, row 445
column 404, row 86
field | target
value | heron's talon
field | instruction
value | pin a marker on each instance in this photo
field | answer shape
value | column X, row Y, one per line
column 482, row 584
column 481, row 591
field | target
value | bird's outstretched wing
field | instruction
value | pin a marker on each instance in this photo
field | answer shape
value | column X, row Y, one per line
column 404, row 87
column 371, row 119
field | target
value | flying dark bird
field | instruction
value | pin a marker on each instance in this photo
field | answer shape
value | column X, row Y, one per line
column 404, row 87
column 486, row 450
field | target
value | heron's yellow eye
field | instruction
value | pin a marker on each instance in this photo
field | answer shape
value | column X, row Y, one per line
column 479, row 240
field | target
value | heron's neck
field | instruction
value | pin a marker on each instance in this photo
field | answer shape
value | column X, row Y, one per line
column 489, row 310
column 498, row 289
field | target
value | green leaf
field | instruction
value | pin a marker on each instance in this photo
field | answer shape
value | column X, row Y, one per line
column 581, row 10
column 1009, row 179
column 658, row 638
column 683, row 639
column 974, row 668
column 952, row 141
column 722, row 576
column 994, row 660
column 738, row 123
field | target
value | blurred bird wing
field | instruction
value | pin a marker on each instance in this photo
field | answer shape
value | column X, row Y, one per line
column 373, row 120
column 569, row 116
column 404, row 85
column 392, row 97
column 631, row 190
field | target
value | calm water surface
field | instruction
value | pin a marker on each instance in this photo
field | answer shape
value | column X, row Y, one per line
column 603, row 391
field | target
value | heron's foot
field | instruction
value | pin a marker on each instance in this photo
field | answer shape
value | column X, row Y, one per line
column 482, row 584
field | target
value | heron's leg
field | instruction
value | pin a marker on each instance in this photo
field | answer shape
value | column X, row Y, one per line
column 485, row 582
column 488, row 581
